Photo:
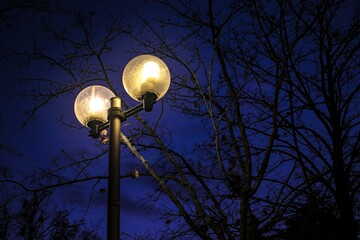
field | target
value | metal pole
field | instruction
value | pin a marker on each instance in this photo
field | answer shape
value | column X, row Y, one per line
column 113, row 214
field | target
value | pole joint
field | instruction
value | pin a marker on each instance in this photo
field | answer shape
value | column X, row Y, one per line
column 116, row 112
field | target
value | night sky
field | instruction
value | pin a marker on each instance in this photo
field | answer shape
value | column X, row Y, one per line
column 30, row 146
column 27, row 149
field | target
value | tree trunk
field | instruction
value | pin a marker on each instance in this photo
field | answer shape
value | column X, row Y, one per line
column 343, row 200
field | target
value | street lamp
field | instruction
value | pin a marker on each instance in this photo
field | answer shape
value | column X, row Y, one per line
column 146, row 79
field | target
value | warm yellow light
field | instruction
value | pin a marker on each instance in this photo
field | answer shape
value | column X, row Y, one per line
column 96, row 104
column 150, row 70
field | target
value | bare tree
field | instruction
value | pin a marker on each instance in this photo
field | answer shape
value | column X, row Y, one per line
column 285, row 76
column 273, row 85
column 220, row 81
column 319, row 49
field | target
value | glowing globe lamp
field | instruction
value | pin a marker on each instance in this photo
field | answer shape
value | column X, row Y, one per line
column 92, row 104
column 145, row 75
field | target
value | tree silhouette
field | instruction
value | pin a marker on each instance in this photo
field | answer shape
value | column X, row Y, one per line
column 34, row 219
column 275, row 87
column 314, row 219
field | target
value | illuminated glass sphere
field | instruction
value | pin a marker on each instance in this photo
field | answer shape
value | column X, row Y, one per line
column 146, row 74
column 91, row 105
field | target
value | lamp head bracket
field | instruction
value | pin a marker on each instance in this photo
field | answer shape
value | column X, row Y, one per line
column 96, row 126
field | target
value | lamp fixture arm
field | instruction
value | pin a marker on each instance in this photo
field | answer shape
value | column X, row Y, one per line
column 148, row 101
column 131, row 111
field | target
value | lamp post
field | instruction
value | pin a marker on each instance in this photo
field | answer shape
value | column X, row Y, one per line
column 146, row 79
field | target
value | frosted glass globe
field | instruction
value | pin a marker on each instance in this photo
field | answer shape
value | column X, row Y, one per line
column 91, row 105
column 146, row 74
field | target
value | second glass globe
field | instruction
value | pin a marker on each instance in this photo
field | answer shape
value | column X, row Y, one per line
column 146, row 74
column 92, row 104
